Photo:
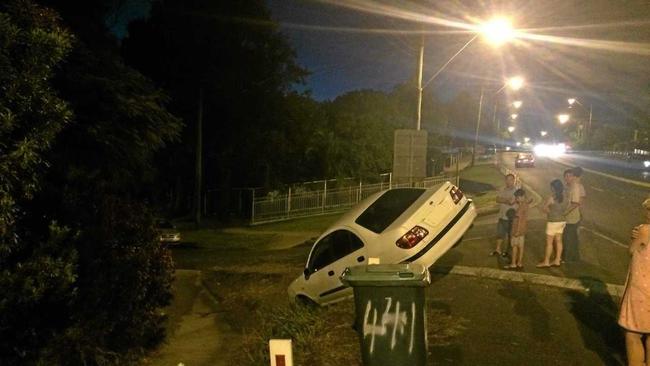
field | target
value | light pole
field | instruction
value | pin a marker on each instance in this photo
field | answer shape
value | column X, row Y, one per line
column 515, row 83
column 573, row 101
column 496, row 32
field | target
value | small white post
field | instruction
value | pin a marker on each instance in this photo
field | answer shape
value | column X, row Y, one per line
column 289, row 202
column 281, row 354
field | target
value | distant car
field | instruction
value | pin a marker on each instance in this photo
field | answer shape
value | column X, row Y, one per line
column 402, row 225
column 524, row 159
column 168, row 232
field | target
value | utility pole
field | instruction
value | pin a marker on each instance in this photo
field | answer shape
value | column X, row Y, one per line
column 420, row 65
column 198, row 186
column 478, row 126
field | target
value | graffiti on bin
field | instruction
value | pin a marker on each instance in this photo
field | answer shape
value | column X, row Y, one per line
column 393, row 323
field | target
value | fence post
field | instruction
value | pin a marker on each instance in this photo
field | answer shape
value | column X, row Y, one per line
column 359, row 192
column 324, row 194
column 458, row 169
column 390, row 180
column 289, row 202
column 252, row 206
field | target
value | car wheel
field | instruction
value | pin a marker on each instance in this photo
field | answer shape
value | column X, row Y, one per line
column 302, row 300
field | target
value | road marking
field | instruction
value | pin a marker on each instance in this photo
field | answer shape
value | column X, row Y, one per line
column 479, row 238
column 597, row 189
column 604, row 237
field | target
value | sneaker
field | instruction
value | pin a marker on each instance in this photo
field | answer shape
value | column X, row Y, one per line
column 495, row 253
column 504, row 254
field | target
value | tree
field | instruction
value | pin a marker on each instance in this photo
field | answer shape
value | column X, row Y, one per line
column 235, row 53
column 36, row 267
column 83, row 274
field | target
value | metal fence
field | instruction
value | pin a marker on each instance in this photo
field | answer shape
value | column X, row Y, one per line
column 324, row 201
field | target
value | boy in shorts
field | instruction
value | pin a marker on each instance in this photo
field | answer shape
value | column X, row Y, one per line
column 518, row 230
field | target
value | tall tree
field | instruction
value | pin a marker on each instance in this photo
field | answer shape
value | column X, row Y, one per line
column 36, row 270
column 235, row 53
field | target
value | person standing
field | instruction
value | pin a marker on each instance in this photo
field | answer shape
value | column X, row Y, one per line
column 572, row 216
column 634, row 316
column 506, row 200
column 554, row 207
column 518, row 231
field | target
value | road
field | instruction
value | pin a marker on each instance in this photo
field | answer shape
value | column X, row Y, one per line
column 633, row 169
column 612, row 207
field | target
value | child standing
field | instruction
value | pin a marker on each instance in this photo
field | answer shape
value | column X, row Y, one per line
column 518, row 230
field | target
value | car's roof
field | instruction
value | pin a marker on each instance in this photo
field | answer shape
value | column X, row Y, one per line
column 349, row 217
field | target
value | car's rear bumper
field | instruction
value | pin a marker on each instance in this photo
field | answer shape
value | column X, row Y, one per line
column 446, row 238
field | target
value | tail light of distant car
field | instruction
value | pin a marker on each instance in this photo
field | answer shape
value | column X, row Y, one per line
column 456, row 194
column 412, row 237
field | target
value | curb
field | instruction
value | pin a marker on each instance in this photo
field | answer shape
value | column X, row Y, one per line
column 586, row 285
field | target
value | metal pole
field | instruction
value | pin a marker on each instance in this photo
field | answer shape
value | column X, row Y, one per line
column 458, row 169
column 589, row 125
column 289, row 202
column 478, row 126
column 420, row 64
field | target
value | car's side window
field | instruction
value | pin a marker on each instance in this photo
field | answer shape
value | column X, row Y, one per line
column 333, row 247
column 344, row 243
column 322, row 255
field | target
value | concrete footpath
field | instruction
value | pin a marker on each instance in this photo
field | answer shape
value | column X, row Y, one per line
column 196, row 335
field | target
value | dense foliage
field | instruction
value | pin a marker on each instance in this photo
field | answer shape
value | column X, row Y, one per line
column 83, row 276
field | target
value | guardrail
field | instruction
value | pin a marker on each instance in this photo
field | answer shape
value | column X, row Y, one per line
column 319, row 202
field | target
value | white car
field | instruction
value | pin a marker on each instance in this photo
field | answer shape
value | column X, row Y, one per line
column 401, row 225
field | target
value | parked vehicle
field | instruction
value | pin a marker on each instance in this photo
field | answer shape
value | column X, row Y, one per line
column 402, row 225
column 525, row 159
column 168, row 232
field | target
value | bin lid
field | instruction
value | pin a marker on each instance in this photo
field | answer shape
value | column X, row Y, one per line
column 398, row 275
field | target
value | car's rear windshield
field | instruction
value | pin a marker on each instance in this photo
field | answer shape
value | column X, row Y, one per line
column 387, row 208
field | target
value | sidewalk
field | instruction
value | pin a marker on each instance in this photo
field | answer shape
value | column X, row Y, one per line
column 196, row 335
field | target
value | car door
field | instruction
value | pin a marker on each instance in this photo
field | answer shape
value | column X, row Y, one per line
column 330, row 256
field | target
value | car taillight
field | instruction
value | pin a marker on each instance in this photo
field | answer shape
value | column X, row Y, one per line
column 456, row 194
column 412, row 237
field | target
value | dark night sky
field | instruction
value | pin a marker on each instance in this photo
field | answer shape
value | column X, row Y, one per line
column 335, row 43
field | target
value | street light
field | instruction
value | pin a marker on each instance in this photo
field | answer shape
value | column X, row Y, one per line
column 563, row 118
column 497, row 31
column 514, row 116
column 516, row 82
column 526, row 139
column 511, row 129
column 543, row 133
column 517, row 104
column 573, row 101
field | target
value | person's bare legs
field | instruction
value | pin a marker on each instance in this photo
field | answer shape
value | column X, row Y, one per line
column 558, row 250
column 498, row 247
column 634, row 349
column 520, row 256
column 515, row 254
column 547, row 252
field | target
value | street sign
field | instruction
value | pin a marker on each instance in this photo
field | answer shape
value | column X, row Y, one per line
column 409, row 156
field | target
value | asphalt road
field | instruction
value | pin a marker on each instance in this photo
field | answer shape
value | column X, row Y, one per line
column 612, row 207
column 631, row 169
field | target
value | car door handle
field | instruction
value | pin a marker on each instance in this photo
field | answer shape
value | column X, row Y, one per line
column 330, row 273
column 360, row 259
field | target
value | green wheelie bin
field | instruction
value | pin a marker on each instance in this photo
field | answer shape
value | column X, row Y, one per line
column 390, row 312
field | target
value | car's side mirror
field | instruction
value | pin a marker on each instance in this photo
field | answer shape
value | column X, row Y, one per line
column 306, row 273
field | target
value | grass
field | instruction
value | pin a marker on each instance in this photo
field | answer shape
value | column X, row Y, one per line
column 480, row 183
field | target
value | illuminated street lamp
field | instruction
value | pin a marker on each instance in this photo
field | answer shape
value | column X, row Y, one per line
column 511, row 129
column 526, row 139
column 514, row 116
column 518, row 143
column 516, row 82
column 497, row 31
column 571, row 101
column 543, row 133
column 563, row 118
column 517, row 104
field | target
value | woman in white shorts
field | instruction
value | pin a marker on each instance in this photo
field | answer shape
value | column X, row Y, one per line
column 554, row 208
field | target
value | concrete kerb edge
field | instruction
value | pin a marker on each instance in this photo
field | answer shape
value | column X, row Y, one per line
column 533, row 278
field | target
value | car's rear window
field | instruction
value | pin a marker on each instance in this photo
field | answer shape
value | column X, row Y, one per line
column 387, row 208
